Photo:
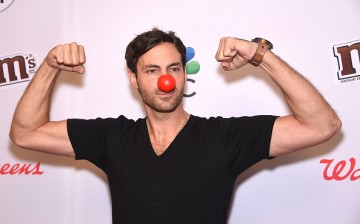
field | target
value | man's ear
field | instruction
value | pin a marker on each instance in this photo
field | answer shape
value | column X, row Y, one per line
column 132, row 78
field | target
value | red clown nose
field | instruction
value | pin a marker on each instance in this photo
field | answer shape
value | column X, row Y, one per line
column 166, row 83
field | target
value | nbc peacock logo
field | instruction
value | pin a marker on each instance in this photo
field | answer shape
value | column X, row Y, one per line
column 192, row 68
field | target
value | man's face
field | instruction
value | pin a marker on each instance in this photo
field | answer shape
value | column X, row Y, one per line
column 160, row 60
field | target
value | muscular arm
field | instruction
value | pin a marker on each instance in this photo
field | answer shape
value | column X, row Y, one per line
column 31, row 127
column 312, row 120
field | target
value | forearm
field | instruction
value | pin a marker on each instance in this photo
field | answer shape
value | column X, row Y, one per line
column 33, row 108
column 305, row 102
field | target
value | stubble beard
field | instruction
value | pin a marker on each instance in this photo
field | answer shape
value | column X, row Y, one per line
column 161, row 105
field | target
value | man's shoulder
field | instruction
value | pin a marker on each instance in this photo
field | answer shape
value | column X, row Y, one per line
column 105, row 123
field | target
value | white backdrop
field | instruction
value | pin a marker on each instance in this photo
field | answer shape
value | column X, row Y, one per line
column 296, row 188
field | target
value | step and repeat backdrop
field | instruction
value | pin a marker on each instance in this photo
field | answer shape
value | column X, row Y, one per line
column 321, row 39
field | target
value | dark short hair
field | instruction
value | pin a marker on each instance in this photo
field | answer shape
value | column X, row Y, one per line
column 148, row 40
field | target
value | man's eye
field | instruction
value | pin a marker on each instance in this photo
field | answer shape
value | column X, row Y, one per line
column 175, row 69
column 151, row 71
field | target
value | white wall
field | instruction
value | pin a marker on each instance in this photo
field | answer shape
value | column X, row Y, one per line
column 288, row 189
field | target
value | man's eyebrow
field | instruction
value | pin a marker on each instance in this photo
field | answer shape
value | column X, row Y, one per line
column 152, row 66
column 175, row 64
column 157, row 66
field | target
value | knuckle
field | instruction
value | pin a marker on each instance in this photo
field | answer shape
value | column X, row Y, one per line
column 73, row 44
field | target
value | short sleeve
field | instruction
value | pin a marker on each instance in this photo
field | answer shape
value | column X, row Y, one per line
column 90, row 138
column 247, row 140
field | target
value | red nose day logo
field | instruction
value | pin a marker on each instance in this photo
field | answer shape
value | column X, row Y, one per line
column 348, row 58
column 16, row 68
column 5, row 4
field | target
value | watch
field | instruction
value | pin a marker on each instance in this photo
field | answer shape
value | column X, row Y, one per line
column 263, row 46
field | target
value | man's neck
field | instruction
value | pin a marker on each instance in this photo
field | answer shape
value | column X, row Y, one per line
column 164, row 127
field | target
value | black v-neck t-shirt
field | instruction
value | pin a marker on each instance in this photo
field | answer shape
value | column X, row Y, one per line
column 191, row 182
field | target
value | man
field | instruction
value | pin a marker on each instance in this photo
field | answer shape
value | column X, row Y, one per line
column 158, row 171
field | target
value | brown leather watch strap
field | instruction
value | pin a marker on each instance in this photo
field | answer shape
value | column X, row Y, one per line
column 263, row 45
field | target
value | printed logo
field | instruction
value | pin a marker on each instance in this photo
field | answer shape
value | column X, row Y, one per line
column 4, row 4
column 17, row 168
column 16, row 68
column 340, row 170
column 192, row 68
column 348, row 58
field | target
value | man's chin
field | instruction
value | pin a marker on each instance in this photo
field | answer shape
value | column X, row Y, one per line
column 164, row 109
column 164, row 105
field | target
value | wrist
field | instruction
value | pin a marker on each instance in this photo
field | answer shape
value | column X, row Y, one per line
column 262, row 47
column 253, row 49
column 46, row 72
column 48, row 69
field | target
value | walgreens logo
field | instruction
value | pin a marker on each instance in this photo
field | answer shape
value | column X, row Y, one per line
column 341, row 170
column 20, row 169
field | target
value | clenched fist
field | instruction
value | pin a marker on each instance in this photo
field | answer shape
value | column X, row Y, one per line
column 68, row 57
column 234, row 53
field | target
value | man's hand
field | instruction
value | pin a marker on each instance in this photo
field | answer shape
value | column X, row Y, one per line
column 68, row 57
column 234, row 53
